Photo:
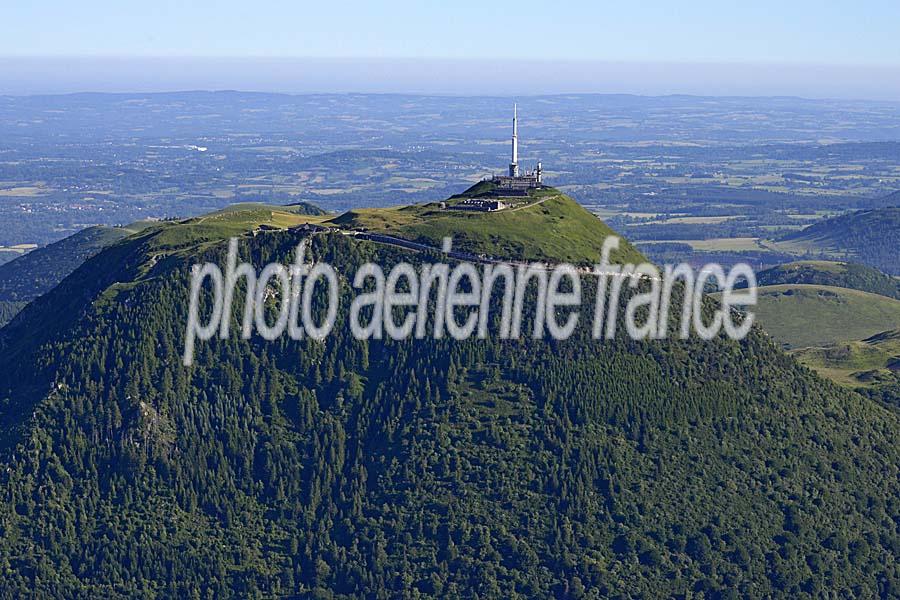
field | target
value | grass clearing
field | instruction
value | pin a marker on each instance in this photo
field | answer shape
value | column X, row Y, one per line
column 553, row 227
column 803, row 316
column 735, row 244
column 28, row 191
column 236, row 220
column 859, row 363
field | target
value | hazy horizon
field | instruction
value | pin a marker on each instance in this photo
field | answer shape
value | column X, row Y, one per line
column 456, row 77
column 768, row 48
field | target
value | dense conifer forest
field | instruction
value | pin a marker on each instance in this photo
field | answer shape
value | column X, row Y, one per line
column 867, row 236
column 422, row 468
column 846, row 275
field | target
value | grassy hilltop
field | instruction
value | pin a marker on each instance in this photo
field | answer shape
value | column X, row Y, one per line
column 547, row 225
column 815, row 315
column 844, row 334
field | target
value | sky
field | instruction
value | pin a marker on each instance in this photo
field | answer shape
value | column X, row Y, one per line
column 700, row 40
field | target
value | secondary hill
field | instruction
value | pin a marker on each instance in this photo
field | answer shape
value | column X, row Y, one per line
column 308, row 208
column 868, row 236
column 873, row 362
column 32, row 274
column 423, row 468
column 38, row 271
column 235, row 220
column 800, row 316
column 547, row 225
column 835, row 330
column 836, row 274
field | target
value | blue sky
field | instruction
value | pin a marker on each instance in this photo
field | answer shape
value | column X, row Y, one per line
column 758, row 47
column 794, row 31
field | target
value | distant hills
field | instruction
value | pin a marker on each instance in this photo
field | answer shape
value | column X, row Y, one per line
column 424, row 468
column 38, row 271
column 836, row 274
column 868, row 236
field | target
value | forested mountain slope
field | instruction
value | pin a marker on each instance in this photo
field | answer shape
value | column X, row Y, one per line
column 871, row 237
column 36, row 272
column 423, row 468
column 836, row 274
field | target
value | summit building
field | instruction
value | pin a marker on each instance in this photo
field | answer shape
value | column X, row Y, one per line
column 515, row 183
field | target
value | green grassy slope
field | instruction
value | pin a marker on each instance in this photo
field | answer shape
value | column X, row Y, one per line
column 236, row 220
column 800, row 316
column 869, row 363
column 831, row 328
column 551, row 227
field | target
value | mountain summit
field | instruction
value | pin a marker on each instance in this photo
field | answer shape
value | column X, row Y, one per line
column 422, row 468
